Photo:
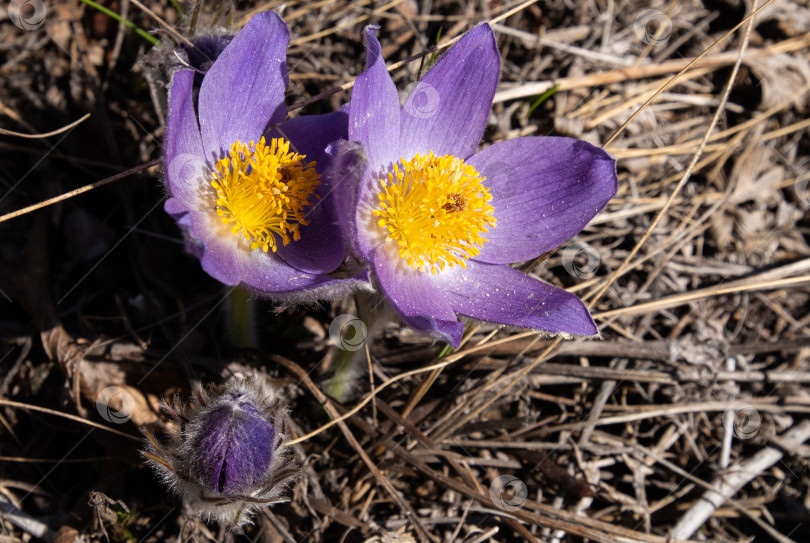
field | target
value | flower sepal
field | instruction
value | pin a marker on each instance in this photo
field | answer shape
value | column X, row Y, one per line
column 223, row 452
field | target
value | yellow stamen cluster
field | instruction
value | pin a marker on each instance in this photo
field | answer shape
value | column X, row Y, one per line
column 262, row 191
column 436, row 209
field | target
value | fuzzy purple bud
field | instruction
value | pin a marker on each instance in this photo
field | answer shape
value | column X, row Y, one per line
column 233, row 449
column 225, row 455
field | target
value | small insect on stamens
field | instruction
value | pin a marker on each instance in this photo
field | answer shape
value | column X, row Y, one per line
column 456, row 204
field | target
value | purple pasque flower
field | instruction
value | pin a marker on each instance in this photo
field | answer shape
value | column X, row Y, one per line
column 437, row 223
column 224, row 454
column 248, row 194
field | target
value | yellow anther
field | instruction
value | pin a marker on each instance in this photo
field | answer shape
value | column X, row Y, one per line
column 436, row 210
column 263, row 191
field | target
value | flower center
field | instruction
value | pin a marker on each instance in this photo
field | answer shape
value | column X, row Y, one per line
column 262, row 191
column 436, row 209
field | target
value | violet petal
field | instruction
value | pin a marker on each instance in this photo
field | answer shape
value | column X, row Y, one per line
column 205, row 52
column 545, row 190
column 228, row 258
column 447, row 110
column 346, row 169
column 243, row 91
column 500, row 294
column 175, row 208
column 322, row 287
column 415, row 296
column 374, row 113
column 320, row 248
column 185, row 164
column 267, row 273
column 219, row 257
column 311, row 134
column 192, row 245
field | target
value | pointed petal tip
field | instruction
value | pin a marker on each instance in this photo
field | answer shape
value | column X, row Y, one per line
column 482, row 31
column 438, row 329
column 447, row 110
column 453, row 332
column 481, row 36
column 374, row 51
column 248, row 78
column 374, row 111
column 268, row 16
column 583, row 325
column 606, row 165
column 270, row 23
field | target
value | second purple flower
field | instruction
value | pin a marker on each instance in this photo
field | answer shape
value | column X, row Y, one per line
column 436, row 223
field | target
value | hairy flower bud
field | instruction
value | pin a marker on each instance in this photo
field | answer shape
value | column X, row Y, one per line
column 225, row 455
column 232, row 448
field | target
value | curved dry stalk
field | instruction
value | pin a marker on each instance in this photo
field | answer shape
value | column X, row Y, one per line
column 46, row 134
column 80, row 190
column 29, row 407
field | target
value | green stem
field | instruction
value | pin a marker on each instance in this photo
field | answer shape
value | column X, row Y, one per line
column 350, row 359
column 240, row 322
column 436, row 44
column 176, row 7
column 445, row 351
column 543, row 97
column 346, row 365
column 139, row 31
